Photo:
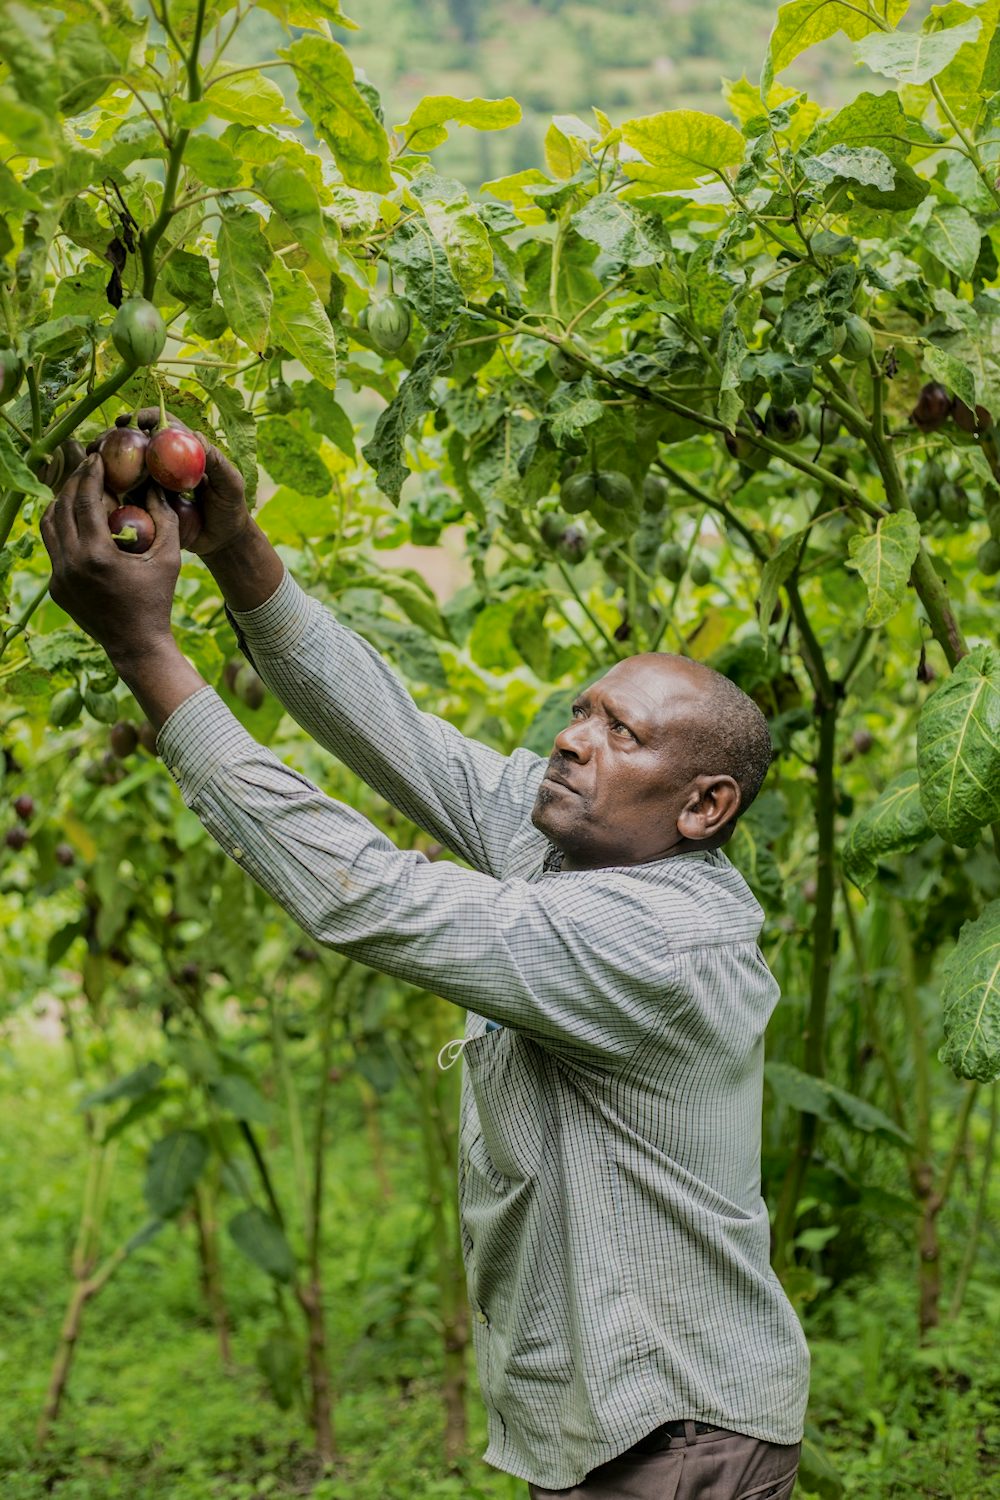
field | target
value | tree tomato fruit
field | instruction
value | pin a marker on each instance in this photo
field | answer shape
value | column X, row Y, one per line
column 189, row 521
column 976, row 422
column 858, row 340
column 670, row 561
column 783, row 424
column 565, row 367
column 65, row 707
column 175, row 459
column 699, row 571
column 138, row 332
column 123, row 452
column 132, row 529
column 578, row 491
column 24, row 806
column 988, row 558
column 279, row 398
column 933, row 407
column 124, row 739
column 389, row 323
column 572, row 545
column 16, row 839
column 655, row 491
column 147, row 737
column 65, row 855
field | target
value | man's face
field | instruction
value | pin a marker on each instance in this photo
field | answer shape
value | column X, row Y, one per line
column 620, row 789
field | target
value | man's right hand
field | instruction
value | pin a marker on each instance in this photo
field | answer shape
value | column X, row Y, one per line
column 220, row 495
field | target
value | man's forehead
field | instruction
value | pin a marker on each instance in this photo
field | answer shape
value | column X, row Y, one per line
column 656, row 684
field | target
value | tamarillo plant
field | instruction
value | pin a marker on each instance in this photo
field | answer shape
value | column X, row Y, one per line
column 745, row 352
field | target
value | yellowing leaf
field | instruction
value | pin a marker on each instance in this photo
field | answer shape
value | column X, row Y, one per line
column 246, row 99
column 681, row 146
column 884, row 559
column 916, row 59
column 564, row 155
column 299, row 323
column 325, row 78
column 803, row 23
column 244, row 258
column 425, row 128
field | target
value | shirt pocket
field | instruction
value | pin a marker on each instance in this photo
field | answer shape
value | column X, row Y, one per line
column 506, row 1075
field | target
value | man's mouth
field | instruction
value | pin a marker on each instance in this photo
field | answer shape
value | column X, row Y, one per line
column 551, row 776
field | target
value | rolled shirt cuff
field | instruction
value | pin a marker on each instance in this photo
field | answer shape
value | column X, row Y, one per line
column 277, row 625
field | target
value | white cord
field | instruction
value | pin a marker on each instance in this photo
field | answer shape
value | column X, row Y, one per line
column 454, row 1052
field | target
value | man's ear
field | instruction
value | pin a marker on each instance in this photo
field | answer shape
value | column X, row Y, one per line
column 714, row 802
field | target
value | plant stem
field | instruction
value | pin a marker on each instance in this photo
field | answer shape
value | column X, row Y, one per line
column 982, row 1200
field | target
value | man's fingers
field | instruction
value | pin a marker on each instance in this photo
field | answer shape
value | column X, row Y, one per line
column 164, row 517
column 87, row 505
column 50, row 534
column 221, row 477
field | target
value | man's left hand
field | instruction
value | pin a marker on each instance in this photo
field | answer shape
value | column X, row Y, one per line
column 123, row 600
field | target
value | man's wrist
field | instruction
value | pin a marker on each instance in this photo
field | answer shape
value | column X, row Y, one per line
column 247, row 568
column 158, row 675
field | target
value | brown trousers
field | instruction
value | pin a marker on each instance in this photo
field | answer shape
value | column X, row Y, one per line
column 715, row 1465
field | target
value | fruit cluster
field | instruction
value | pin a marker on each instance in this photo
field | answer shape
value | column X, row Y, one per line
column 170, row 458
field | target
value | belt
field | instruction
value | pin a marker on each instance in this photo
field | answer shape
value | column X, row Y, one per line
column 676, row 1429
column 660, row 1438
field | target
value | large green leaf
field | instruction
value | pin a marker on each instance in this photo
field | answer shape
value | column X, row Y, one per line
column 818, row 1096
column 244, row 285
column 212, row 162
column 249, row 98
column 958, row 749
column 803, row 23
column 951, row 234
column 457, row 227
column 865, row 164
column 681, row 146
column 299, row 323
column 415, row 602
column 15, row 474
column 625, row 234
column 425, row 128
column 915, row 58
column 342, row 116
column 884, row 559
column 263, row 1241
column 970, row 990
column 939, row 365
column 385, row 450
column 430, row 286
column 895, row 824
column 779, row 567
column 290, row 459
column 872, row 120
column 175, row 1164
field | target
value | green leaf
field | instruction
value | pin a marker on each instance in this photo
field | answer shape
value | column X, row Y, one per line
column 249, row 98
column 189, row 278
column 294, row 198
column 290, row 518
column 237, row 1096
column 970, row 991
column 429, row 283
column 299, row 323
column 130, row 1086
column 15, row 474
column 279, row 1360
column 175, row 1164
column 263, row 1241
column 863, row 164
column 895, row 824
column 884, row 559
column 681, row 146
column 413, row 600
column 425, row 128
column 625, row 234
column 244, row 284
column 938, row 365
column 241, row 434
column 779, row 567
column 212, row 162
column 328, row 417
column 457, row 227
column 872, row 120
column 915, row 58
column 958, row 749
column 313, row 15
column 385, row 450
column 951, row 235
column 573, row 408
column 803, row 23
column 289, row 459
column 342, row 117
column 818, row 1096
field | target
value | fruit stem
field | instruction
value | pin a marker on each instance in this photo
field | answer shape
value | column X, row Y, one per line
column 36, row 405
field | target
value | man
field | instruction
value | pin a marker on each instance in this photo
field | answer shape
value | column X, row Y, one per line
column 631, row 1337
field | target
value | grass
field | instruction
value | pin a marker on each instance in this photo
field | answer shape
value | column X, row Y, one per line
column 151, row 1412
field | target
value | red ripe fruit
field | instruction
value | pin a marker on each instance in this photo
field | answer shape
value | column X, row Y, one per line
column 123, row 451
column 933, row 407
column 24, row 806
column 132, row 528
column 64, row 855
column 175, row 459
column 188, row 519
column 16, row 839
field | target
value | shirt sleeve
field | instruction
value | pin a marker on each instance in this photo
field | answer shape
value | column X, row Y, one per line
column 557, row 959
column 468, row 797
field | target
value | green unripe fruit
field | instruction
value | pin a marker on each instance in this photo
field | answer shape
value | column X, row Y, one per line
column 858, row 341
column 11, row 372
column 279, row 398
column 953, row 503
column 700, row 571
column 138, row 332
column 362, row 318
column 670, row 561
column 578, row 492
column 551, row 527
column 655, row 491
column 564, row 366
column 389, row 323
column 209, row 322
column 988, row 557
column 65, row 707
column 615, row 487
column 824, row 423
column 924, row 502
column 101, row 706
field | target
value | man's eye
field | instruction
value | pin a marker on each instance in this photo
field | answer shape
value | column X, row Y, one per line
column 576, row 709
column 619, row 725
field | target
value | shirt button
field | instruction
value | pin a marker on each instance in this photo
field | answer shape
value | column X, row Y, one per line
column 237, row 853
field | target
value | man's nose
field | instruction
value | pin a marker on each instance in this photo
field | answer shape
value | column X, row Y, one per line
column 573, row 740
